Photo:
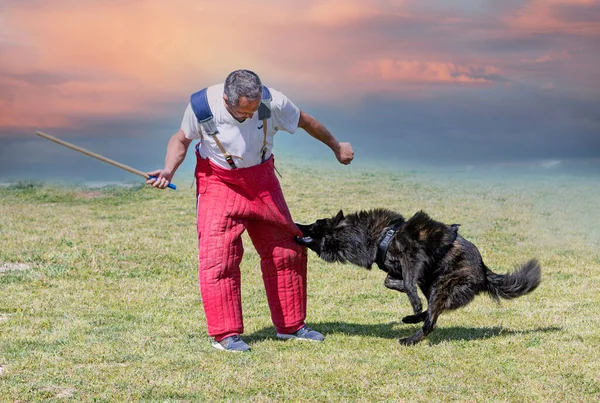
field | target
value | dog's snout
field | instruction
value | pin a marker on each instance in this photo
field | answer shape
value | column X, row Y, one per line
column 305, row 240
column 306, row 229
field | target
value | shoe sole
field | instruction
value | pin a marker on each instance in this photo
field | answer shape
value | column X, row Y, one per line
column 218, row 346
column 292, row 337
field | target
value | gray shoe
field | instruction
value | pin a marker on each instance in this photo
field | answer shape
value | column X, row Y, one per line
column 305, row 333
column 231, row 343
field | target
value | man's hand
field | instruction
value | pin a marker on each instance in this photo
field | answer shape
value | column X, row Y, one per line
column 163, row 178
column 344, row 153
column 176, row 150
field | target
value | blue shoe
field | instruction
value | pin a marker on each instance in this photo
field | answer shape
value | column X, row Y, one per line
column 305, row 333
column 231, row 343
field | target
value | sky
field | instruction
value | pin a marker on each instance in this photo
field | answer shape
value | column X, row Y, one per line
column 433, row 81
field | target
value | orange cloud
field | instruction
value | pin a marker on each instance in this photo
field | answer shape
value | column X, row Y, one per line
column 114, row 61
column 118, row 59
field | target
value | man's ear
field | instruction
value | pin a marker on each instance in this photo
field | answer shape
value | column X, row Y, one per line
column 339, row 217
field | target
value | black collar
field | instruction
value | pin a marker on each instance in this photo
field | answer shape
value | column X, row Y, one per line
column 384, row 244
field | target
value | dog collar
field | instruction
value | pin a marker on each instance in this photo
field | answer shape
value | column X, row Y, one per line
column 384, row 244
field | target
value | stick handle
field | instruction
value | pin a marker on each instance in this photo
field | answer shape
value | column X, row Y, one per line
column 170, row 185
column 98, row 156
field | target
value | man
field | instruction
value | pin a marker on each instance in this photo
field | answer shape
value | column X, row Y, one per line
column 237, row 190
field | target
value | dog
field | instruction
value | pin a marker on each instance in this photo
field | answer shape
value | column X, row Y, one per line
column 421, row 252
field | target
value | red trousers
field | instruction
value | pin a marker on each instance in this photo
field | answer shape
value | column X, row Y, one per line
column 229, row 202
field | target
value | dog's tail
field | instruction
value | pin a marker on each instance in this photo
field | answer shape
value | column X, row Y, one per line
column 512, row 285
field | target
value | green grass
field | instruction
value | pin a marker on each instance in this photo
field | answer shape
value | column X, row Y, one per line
column 109, row 310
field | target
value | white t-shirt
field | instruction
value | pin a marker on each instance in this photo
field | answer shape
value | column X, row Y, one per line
column 243, row 140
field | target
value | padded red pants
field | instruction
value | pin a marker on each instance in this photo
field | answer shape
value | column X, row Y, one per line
column 229, row 202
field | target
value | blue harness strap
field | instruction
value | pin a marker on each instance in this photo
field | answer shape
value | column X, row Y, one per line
column 264, row 109
column 201, row 108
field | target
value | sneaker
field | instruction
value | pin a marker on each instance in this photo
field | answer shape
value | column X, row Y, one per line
column 305, row 333
column 231, row 343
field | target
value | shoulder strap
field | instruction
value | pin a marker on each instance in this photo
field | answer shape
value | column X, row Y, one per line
column 201, row 108
column 264, row 113
column 264, row 109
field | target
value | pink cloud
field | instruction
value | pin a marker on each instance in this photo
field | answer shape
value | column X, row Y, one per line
column 412, row 71
column 544, row 16
column 549, row 57
column 552, row 56
column 335, row 13
column 57, row 105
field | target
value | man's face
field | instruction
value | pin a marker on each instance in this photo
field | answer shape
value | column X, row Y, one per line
column 245, row 108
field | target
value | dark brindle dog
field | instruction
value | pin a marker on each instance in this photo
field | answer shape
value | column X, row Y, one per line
column 420, row 252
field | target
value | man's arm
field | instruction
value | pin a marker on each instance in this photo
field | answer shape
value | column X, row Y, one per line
column 176, row 151
column 343, row 151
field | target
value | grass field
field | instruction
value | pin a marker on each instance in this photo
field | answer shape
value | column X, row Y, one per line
column 99, row 298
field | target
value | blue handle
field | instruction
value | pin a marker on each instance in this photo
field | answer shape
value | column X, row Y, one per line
column 170, row 185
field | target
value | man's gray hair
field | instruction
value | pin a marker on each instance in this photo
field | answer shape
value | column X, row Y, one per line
column 242, row 83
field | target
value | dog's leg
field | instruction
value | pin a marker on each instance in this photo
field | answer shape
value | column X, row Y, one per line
column 394, row 283
column 428, row 326
column 431, row 316
column 421, row 316
column 409, row 274
column 435, row 306
column 413, row 297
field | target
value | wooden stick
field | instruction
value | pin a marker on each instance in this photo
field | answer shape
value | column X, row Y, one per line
column 93, row 155
column 101, row 158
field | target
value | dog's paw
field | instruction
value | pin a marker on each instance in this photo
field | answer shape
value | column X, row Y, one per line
column 408, row 341
column 413, row 318
column 420, row 317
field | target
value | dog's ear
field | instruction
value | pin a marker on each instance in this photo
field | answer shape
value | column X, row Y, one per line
column 339, row 217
